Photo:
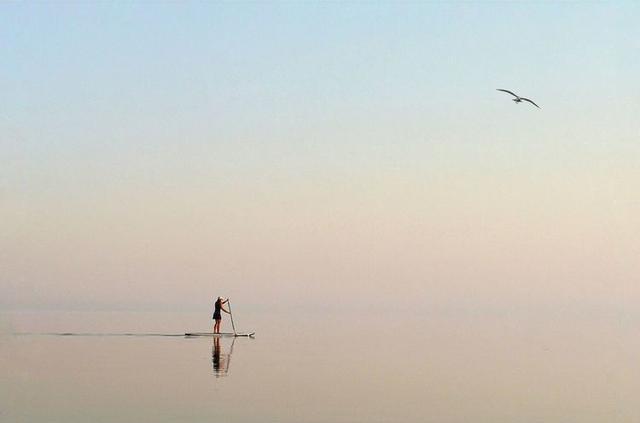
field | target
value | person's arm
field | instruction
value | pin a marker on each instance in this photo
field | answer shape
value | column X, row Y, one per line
column 224, row 309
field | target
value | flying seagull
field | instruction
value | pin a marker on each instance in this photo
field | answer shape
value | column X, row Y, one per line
column 517, row 98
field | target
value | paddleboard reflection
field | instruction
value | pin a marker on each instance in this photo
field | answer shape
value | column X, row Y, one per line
column 221, row 359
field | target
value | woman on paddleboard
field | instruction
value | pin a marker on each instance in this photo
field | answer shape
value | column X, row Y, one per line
column 217, row 316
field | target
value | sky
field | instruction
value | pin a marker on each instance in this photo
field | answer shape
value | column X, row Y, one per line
column 351, row 155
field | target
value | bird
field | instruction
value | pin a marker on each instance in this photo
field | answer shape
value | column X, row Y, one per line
column 517, row 98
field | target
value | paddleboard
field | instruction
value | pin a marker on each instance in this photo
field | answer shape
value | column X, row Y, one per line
column 250, row 334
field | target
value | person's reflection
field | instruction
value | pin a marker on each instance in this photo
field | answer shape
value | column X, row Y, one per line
column 219, row 359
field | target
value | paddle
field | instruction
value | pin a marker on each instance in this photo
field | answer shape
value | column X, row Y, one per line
column 231, row 314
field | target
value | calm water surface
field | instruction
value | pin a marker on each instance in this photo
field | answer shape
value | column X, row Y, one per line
column 304, row 368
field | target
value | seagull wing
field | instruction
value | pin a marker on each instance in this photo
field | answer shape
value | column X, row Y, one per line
column 507, row 91
column 526, row 99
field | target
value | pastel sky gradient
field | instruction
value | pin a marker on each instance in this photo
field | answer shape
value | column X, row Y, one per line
column 156, row 155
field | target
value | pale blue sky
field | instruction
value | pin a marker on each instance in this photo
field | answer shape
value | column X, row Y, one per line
column 149, row 149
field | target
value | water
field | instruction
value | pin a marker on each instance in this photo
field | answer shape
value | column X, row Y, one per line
column 328, row 367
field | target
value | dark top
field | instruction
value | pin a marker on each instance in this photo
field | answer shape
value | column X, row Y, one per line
column 216, row 312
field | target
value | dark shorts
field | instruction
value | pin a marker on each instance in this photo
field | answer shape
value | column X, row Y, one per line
column 217, row 316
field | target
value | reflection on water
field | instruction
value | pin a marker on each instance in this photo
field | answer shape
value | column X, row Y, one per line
column 221, row 359
column 407, row 368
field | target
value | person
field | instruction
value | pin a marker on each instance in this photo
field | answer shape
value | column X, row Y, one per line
column 217, row 316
